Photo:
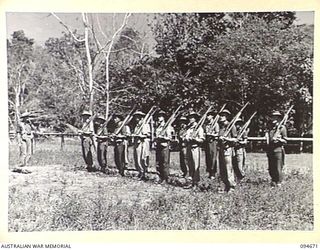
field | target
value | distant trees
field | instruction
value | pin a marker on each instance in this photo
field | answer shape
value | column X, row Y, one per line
column 231, row 58
column 20, row 71
column 198, row 59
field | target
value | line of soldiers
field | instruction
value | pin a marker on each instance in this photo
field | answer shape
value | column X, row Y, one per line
column 224, row 140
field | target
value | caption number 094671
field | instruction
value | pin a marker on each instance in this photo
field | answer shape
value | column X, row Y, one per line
column 308, row 246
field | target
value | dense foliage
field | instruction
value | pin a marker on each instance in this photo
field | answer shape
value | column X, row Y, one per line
column 199, row 60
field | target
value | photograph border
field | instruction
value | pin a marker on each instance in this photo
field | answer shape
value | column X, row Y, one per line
column 153, row 236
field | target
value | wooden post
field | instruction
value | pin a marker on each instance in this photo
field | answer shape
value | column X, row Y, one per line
column 62, row 142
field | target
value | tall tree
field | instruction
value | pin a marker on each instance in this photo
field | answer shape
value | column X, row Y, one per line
column 20, row 69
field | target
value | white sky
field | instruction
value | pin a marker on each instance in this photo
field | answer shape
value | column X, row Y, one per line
column 41, row 26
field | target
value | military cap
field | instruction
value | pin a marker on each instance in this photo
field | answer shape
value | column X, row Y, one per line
column 182, row 119
column 276, row 113
column 193, row 114
column 225, row 111
column 100, row 118
column 239, row 120
column 139, row 113
column 117, row 115
column 212, row 112
column 86, row 113
column 161, row 113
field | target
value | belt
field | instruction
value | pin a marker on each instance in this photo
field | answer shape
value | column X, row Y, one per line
column 211, row 140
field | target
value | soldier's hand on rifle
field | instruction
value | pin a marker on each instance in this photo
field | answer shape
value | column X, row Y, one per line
column 276, row 139
column 198, row 140
column 241, row 142
column 222, row 138
column 119, row 136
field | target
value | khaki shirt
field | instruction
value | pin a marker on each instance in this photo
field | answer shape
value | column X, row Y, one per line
column 231, row 134
column 211, row 131
column 182, row 136
column 145, row 131
column 191, row 136
column 243, row 138
column 101, row 134
column 167, row 135
column 25, row 130
column 278, row 146
column 123, row 134
column 86, row 129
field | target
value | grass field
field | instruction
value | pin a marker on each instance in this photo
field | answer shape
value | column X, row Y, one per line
column 59, row 194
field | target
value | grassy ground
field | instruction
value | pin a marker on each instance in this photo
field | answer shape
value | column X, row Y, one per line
column 59, row 194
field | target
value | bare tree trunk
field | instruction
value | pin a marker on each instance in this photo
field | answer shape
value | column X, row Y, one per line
column 107, row 57
column 86, row 38
column 107, row 84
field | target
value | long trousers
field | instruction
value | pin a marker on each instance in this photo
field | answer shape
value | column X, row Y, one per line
column 275, row 162
column 239, row 160
column 102, row 151
column 226, row 169
column 184, row 161
column 25, row 151
column 211, row 157
column 193, row 155
column 119, row 156
column 87, row 145
column 163, row 161
column 141, row 157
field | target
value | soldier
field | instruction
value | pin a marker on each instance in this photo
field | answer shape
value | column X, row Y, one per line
column 211, row 133
column 275, row 150
column 183, row 147
column 194, row 139
column 102, row 142
column 240, row 152
column 226, row 151
column 163, row 138
column 86, row 136
column 24, row 136
column 141, row 145
column 122, row 132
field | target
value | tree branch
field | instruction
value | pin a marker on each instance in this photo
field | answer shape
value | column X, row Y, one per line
column 64, row 25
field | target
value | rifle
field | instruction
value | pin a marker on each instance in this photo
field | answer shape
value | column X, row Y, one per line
column 146, row 119
column 104, row 125
column 170, row 121
column 280, row 124
column 233, row 121
column 73, row 128
column 200, row 123
column 85, row 126
column 125, row 121
column 245, row 126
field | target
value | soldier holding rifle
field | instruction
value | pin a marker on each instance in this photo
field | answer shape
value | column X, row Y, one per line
column 25, row 137
column 86, row 135
column 276, row 138
column 141, row 135
column 164, row 132
column 212, row 133
column 120, row 137
column 227, row 137
column 194, row 138
column 239, row 158
column 102, row 142
column 182, row 132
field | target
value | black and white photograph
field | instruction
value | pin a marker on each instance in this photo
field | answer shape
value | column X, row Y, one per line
column 160, row 121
